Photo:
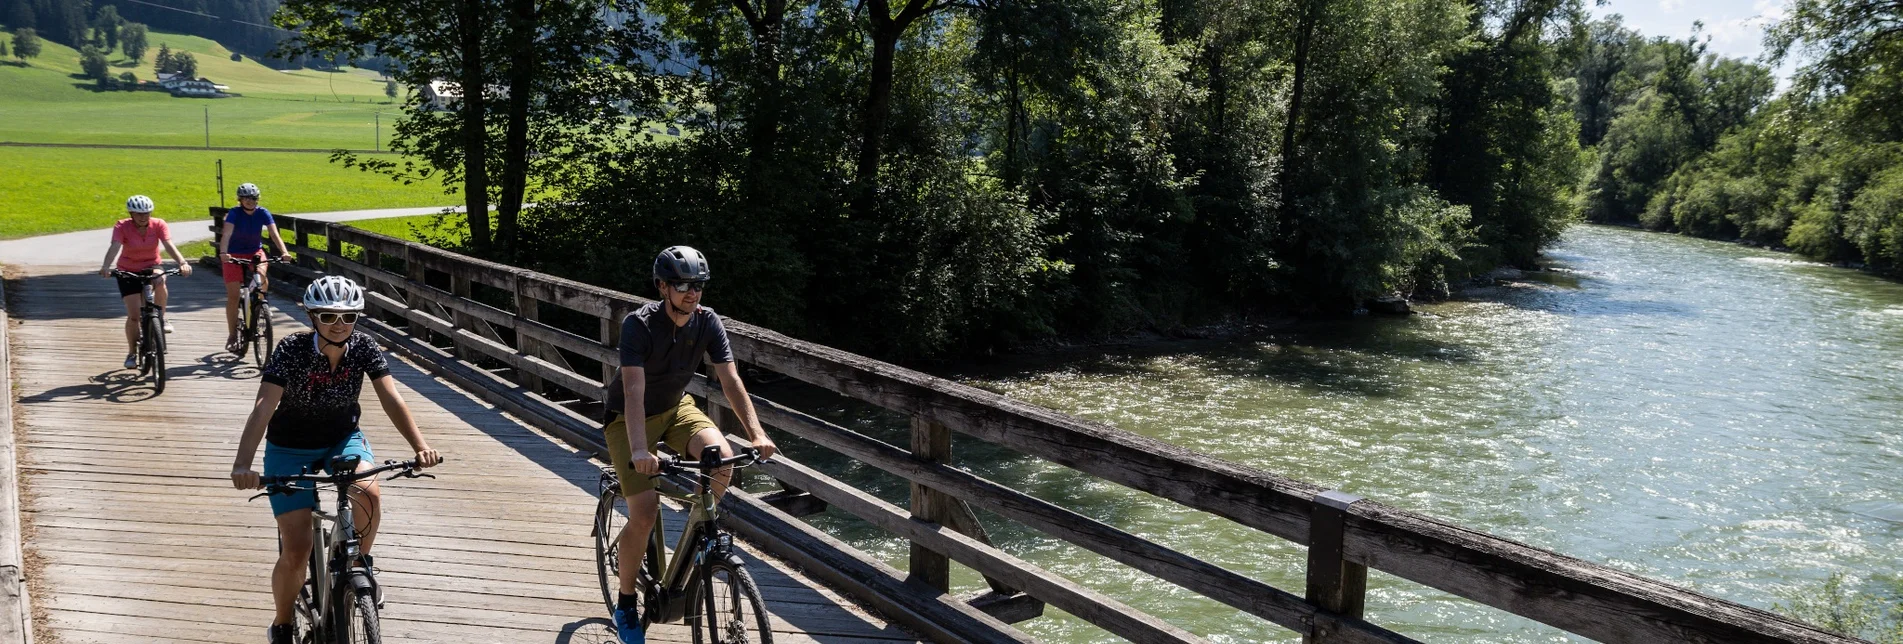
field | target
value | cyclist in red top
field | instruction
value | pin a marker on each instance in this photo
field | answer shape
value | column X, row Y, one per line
column 136, row 241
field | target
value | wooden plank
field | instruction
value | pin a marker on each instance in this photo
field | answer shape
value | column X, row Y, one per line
column 16, row 614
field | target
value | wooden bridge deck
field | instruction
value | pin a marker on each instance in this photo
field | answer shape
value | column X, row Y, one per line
column 139, row 537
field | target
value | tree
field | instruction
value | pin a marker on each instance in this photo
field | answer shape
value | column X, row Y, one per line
column 389, row 88
column 26, row 44
column 574, row 75
column 132, row 41
column 162, row 64
column 93, row 63
column 185, row 64
column 106, row 27
column 3, row 49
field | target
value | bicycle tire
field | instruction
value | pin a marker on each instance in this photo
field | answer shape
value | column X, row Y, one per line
column 608, row 524
column 155, row 353
column 740, row 616
column 262, row 334
column 358, row 618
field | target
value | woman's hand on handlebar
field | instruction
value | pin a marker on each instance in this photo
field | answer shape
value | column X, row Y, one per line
column 244, row 478
column 427, row 457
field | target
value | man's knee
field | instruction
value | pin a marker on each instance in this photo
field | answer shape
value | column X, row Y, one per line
column 647, row 501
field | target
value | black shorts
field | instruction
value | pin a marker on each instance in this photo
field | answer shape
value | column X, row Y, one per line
column 132, row 285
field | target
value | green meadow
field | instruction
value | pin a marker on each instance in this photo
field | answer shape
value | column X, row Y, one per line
column 48, row 189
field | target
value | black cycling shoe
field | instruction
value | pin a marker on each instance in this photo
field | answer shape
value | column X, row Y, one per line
column 283, row 634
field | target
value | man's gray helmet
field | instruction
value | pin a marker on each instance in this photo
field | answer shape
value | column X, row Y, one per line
column 681, row 264
column 247, row 190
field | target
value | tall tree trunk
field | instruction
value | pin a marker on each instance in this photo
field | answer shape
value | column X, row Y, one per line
column 886, row 31
column 768, row 23
column 515, row 161
column 878, row 107
column 1305, row 34
column 470, row 20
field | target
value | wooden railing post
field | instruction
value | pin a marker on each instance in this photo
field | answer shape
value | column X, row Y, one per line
column 931, row 441
column 1334, row 583
column 529, row 308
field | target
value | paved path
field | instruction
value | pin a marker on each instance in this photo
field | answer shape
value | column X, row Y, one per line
column 89, row 246
column 140, row 537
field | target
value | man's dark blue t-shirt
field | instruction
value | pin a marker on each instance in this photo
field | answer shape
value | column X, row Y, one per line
column 667, row 353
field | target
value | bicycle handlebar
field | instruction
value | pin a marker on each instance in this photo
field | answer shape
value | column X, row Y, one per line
column 670, row 463
column 282, row 484
column 143, row 274
column 254, row 262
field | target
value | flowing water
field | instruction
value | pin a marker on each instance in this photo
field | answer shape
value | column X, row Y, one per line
column 1714, row 416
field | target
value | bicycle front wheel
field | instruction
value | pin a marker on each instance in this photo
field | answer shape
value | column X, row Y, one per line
column 263, row 340
column 155, row 353
column 359, row 618
column 733, row 612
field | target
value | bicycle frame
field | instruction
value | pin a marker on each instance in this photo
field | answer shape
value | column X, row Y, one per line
column 701, row 540
column 335, row 545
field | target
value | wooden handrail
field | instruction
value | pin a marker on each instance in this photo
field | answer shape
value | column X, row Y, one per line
column 1569, row 593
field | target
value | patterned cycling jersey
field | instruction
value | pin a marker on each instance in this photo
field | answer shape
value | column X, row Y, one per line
column 319, row 407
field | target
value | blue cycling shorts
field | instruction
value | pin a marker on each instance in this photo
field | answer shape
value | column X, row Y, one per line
column 285, row 461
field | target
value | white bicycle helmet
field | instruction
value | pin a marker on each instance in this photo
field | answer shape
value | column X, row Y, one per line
column 139, row 203
column 247, row 190
column 333, row 293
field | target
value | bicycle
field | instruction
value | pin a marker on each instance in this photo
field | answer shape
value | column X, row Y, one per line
column 705, row 565
column 339, row 601
column 151, row 328
column 254, row 310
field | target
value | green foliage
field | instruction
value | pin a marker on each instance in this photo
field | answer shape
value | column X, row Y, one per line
column 106, row 26
column 26, row 44
column 1837, row 606
column 1037, row 166
column 132, row 41
column 93, row 63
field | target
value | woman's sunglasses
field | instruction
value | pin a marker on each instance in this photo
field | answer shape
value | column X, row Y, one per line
column 333, row 318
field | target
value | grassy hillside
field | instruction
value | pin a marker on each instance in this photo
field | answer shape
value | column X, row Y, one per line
column 47, row 101
column 49, row 190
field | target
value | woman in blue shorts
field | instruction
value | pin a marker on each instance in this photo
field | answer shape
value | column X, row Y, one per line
column 307, row 414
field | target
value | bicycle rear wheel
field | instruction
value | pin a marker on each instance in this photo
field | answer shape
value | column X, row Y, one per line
column 155, row 353
column 263, row 337
column 611, row 515
column 733, row 612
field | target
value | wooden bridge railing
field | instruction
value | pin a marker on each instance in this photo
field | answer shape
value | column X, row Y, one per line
column 542, row 346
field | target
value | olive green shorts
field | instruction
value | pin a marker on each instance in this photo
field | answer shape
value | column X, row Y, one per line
column 673, row 427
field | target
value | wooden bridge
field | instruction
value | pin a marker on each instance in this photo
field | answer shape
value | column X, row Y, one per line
column 132, row 532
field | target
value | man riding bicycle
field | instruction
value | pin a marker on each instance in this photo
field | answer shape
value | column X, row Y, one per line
column 661, row 345
column 243, row 236
column 136, row 241
column 307, row 413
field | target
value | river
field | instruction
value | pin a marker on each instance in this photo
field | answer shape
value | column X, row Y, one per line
column 1715, row 416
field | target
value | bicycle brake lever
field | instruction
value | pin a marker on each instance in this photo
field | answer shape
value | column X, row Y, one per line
column 257, row 496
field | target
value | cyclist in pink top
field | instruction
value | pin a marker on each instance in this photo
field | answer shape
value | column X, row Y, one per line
column 136, row 241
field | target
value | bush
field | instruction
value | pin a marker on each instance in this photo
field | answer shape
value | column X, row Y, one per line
column 1837, row 607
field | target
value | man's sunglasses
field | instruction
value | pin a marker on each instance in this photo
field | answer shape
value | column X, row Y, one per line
column 333, row 318
column 683, row 287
